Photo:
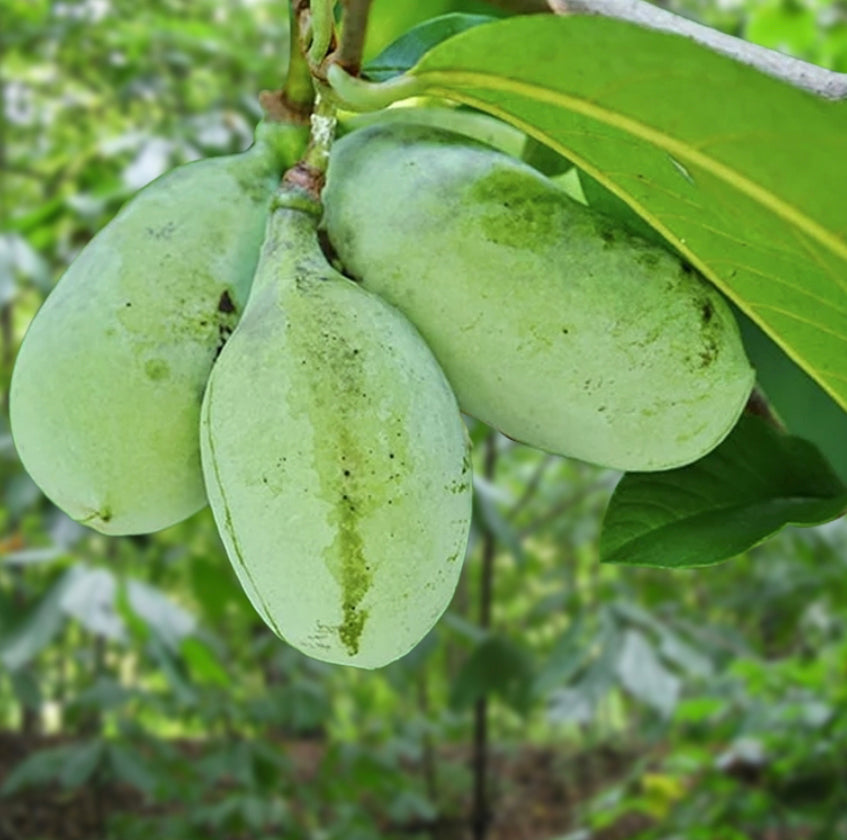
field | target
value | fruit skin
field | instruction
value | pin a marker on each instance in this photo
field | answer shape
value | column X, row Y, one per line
column 106, row 391
column 551, row 322
column 335, row 458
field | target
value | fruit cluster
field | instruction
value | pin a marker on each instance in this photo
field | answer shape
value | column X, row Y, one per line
column 202, row 347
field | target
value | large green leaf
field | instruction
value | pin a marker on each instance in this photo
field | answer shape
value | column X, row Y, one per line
column 757, row 481
column 743, row 174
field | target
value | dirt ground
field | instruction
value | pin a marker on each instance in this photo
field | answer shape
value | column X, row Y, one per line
column 534, row 793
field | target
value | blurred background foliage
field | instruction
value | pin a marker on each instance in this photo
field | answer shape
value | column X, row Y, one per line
column 141, row 696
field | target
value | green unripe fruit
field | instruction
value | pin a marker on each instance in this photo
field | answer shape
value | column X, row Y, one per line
column 106, row 391
column 335, row 458
column 552, row 323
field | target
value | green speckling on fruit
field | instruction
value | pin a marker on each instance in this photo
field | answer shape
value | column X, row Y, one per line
column 648, row 258
column 355, row 574
column 157, row 369
column 514, row 208
column 353, row 470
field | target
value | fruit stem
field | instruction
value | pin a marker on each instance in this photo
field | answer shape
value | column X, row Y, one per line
column 309, row 173
column 358, row 95
column 322, row 25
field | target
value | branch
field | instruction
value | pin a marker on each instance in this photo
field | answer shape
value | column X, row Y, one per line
column 354, row 28
column 801, row 74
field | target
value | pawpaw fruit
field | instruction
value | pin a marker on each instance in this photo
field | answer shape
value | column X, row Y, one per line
column 335, row 457
column 106, row 389
column 552, row 323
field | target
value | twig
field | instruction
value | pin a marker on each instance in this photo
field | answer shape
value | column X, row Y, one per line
column 801, row 74
column 354, row 28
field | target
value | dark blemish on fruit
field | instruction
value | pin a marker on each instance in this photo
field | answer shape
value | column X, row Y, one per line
column 127, row 304
column 347, row 473
column 686, row 268
column 157, row 369
column 565, row 331
column 164, row 232
column 98, row 516
column 648, row 259
column 519, row 209
column 706, row 311
column 390, row 454
column 225, row 304
column 224, row 332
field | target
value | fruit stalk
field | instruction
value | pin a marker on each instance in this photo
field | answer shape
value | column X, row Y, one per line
column 309, row 173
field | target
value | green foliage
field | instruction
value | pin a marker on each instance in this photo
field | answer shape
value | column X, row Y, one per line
column 719, row 692
column 757, row 481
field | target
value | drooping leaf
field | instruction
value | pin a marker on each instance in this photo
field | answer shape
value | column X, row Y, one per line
column 671, row 647
column 496, row 666
column 129, row 768
column 203, row 662
column 756, row 482
column 644, row 676
column 91, row 601
column 38, row 768
column 704, row 148
column 166, row 620
column 565, row 660
column 40, row 624
column 81, row 762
